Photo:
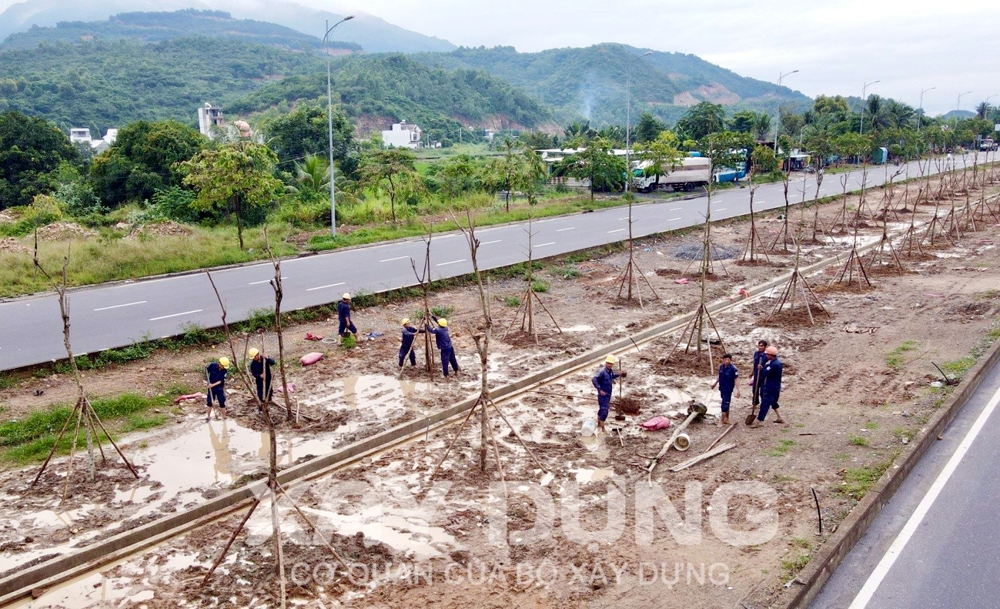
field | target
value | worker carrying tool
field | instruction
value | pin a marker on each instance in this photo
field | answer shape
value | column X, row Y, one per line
column 443, row 340
column 260, row 370
column 726, row 383
column 770, row 386
column 759, row 359
column 603, row 381
column 215, row 374
column 406, row 342
column 344, row 316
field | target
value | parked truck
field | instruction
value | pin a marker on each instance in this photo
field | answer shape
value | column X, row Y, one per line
column 987, row 144
column 693, row 172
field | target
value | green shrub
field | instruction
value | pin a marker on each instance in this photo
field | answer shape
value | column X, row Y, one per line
column 539, row 286
column 512, row 301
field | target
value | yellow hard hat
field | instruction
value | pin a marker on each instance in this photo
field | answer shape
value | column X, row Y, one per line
column 404, row 321
column 253, row 353
column 611, row 359
column 224, row 362
column 443, row 322
column 346, row 296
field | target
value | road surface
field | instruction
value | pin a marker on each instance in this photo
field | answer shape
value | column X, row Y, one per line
column 936, row 541
column 114, row 315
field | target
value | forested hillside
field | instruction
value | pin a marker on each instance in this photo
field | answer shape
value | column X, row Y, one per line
column 396, row 87
column 590, row 82
column 157, row 27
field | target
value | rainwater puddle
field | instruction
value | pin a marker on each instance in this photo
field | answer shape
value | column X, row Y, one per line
column 402, row 529
column 595, row 444
column 584, row 476
column 375, row 398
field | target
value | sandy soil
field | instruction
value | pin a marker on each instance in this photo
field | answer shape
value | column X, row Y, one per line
column 846, row 409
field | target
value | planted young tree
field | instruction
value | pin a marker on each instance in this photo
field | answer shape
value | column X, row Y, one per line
column 798, row 289
column 762, row 161
column 725, row 149
column 661, row 155
column 83, row 412
column 424, row 281
column 526, row 310
column 482, row 336
column 392, row 169
column 234, row 179
column 783, row 155
column 847, row 146
column 520, row 169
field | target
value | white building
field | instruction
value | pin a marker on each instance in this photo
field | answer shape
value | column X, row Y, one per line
column 208, row 117
column 81, row 135
column 402, row 135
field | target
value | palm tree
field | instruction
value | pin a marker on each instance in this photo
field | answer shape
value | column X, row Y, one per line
column 981, row 110
column 762, row 126
column 900, row 115
column 311, row 175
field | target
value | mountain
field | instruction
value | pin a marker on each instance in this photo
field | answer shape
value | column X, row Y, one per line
column 157, row 27
column 590, row 82
column 370, row 32
column 102, row 84
column 959, row 114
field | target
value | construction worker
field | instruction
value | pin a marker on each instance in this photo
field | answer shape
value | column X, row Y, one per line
column 216, row 376
column 726, row 383
column 759, row 359
column 603, row 381
column 344, row 315
column 770, row 387
column 443, row 340
column 260, row 370
column 406, row 342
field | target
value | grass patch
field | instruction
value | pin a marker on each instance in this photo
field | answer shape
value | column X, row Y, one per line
column 896, row 358
column 539, row 286
column 781, row 449
column 802, row 542
column 795, row 565
column 442, row 311
column 960, row 366
column 30, row 439
column 872, row 425
column 858, row 480
column 567, row 272
column 6, row 381
column 512, row 301
column 860, row 441
column 348, row 341
column 903, row 432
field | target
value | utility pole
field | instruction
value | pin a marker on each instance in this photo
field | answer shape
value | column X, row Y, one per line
column 628, row 119
column 920, row 114
column 329, row 120
column 958, row 106
column 864, row 102
column 777, row 123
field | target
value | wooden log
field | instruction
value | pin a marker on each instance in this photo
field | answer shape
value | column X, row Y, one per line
column 702, row 457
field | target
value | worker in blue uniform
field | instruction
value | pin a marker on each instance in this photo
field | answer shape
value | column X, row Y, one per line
column 727, row 383
column 603, row 381
column 770, row 386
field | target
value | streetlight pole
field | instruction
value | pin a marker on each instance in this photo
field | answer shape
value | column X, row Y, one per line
column 920, row 113
column 777, row 123
column 628, row 119
column 329, row 120
column 864, row 101
column 958, row 106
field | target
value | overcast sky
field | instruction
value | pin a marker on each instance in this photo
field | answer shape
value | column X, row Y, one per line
column 837, row 45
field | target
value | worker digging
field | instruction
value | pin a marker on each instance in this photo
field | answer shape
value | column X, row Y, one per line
column 215, row 373
column 443, row 340
column 260, row 370
column 409, row 332
column 603, row 381
column 770, row 386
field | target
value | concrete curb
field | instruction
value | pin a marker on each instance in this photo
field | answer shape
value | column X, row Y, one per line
column 853, row 528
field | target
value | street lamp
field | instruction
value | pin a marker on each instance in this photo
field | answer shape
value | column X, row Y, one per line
column 777, row 124
column 920, row 113
column 958, row 106
column 864, row 100
column 628, row 118
column 329, row 120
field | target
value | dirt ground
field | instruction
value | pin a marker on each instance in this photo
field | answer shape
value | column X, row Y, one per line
column 582, row 525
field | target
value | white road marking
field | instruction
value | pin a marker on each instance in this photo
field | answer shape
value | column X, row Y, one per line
column 674, row 209
column 620, row 230
column 673, row 219
column 323, row 287
column 129, row 304
column 544, row 244
column 875, row 579
column 721, row 208
column 559, row 230
column 174, row 315
column 625, row 218
column 452, row 262
column 489, row 242
column 260, row 282
column 396, row 258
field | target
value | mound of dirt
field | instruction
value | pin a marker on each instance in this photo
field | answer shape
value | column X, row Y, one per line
column 58, row 231
column 10, row 244
column 163, row 229
column 6, row 217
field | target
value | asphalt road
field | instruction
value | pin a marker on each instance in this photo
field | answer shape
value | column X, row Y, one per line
column 119, row 314
column 936, row 542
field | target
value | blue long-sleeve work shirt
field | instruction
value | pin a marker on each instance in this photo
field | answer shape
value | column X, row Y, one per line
column 727, row 378
column 770, row 377
column 407, row 338
column 441, row 337
column 604, row 379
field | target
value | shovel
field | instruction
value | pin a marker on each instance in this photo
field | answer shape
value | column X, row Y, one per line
column 752, row 415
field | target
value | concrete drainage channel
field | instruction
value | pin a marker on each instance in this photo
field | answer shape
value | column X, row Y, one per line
column 63, row 568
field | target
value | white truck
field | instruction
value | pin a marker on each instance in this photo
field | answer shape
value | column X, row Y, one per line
column 694, row 172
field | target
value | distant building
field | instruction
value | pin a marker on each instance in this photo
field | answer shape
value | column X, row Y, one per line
column 208, row 117
column 402, row 135
column 81, row 135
